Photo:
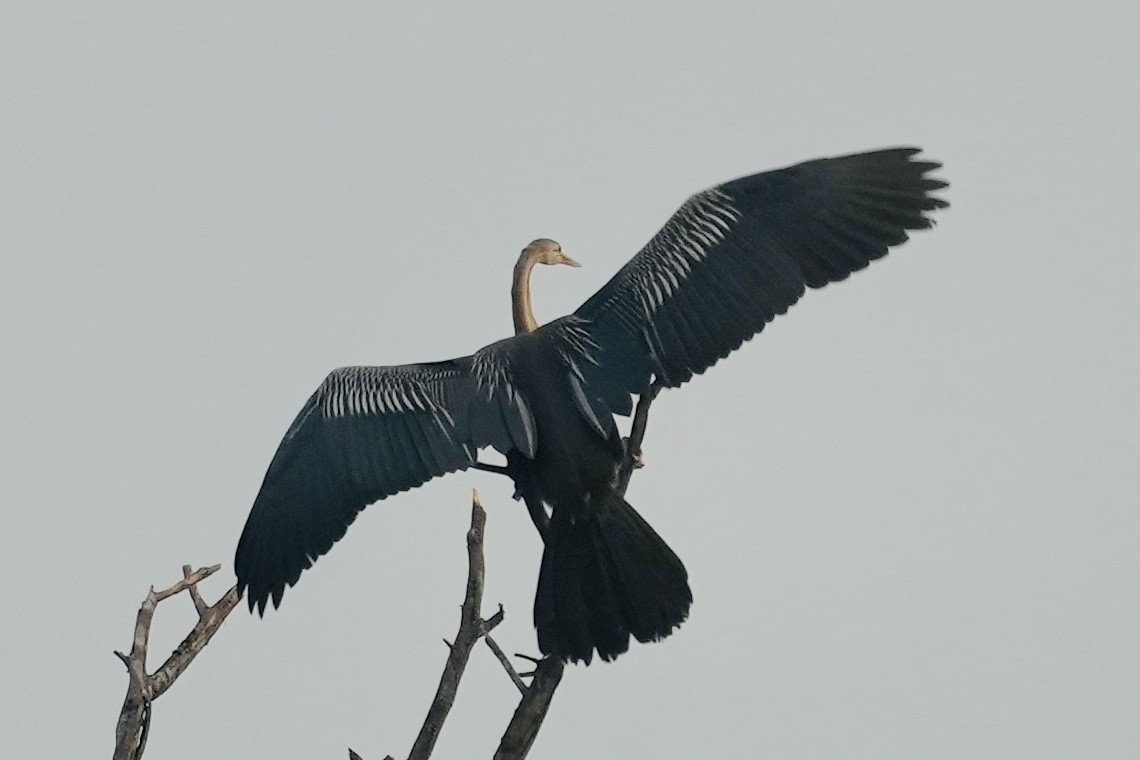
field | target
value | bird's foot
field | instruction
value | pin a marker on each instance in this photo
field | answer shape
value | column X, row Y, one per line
column 498, row 469
column 536, row 661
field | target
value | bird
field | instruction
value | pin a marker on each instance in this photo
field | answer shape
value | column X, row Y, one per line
column 727, row 262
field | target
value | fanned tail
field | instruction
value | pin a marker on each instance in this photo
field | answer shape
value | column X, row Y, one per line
column 606, row 575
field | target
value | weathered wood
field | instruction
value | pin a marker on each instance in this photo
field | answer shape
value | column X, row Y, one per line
column 472, row 627
column 134, row 718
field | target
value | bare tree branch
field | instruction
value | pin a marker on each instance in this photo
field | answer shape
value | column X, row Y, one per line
column 632, row 458
column 471, row 628
column 527, row 719
column 134, row 718
column 506, row 663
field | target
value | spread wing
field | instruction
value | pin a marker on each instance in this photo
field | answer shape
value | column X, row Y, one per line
column 736, row 255
column 367, row 433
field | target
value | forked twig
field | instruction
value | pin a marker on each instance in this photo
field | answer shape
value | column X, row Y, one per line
column 134, row 718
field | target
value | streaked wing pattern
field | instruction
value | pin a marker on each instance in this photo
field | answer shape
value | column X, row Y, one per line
column 365, row 434
column 726, row 263
column 735, row 256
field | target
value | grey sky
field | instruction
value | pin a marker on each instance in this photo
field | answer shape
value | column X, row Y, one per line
column 909, row 509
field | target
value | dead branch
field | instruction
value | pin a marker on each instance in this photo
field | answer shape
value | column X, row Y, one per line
column 516, row 679
column 142, row 689
column 471, row 628
column 632, row 459
column 529, row 715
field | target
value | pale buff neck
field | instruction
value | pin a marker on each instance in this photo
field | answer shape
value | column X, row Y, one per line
column 520, row 296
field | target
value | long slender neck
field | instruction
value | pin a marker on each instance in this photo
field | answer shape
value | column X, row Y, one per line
column 520, row 296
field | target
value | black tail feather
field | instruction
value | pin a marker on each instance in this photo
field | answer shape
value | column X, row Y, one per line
column 606, row 575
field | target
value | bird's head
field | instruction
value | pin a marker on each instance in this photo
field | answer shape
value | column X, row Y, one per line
column 547, row 251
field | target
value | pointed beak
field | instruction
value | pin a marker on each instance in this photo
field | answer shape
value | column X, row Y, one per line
column 564, row 259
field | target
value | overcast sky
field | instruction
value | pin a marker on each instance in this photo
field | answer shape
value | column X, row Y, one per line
column 909, row 509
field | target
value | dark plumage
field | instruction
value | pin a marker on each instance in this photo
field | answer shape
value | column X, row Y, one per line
column 730, row 259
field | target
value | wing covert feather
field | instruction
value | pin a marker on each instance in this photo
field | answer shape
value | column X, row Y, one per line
column 365, row 434
column 735, row 256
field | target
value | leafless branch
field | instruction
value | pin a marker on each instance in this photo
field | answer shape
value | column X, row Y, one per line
column 471, row 628
column 134, row 718
column 527, row 719
column 636, row 436
column 506, row 663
